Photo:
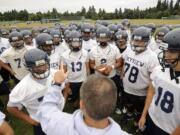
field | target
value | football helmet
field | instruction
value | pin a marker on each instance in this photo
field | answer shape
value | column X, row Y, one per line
column 37, row 62
column 16, row 40
column 75, row 41
column 103, row 36
column 140, row 39
column 44, row 42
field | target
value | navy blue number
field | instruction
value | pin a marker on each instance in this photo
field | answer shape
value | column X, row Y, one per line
column 103, row 61
column 167, row 103
column 76, row 67
column 18, row 60
column 133, row 73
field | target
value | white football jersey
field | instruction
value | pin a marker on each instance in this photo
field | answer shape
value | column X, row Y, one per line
column 4, row 44
column 137, row 69
column 152, row 44
column 2, row 117
column 34, row 42
column 55, row 58
column 107, row 55
column 32, row 46
column 15, row 58
column 29, row 92
column 88, row 45
column 165, row 109
column 76, row 65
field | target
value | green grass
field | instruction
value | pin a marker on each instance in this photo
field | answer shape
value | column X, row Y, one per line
column 133, row 21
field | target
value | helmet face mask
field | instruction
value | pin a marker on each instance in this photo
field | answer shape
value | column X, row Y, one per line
column 37, row 62
column 17, row 44
column 40, row 71
column 28, row 40
column 140, row 39
column 138, row 46
column 57, row 40
column 16, row 40
column 48, row 48
column 168, row 58
column 75, row 44
column 86, row 36
column 103, row 41
column 121, row 43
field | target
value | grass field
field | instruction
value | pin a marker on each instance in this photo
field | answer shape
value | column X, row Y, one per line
column 133, row 21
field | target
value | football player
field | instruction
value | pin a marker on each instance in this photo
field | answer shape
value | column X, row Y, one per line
column 29, row 92
column 28, row 39
column 139, row 61
column 14, row 56
column 162, row 103
column 76, row 63
column 87, row 42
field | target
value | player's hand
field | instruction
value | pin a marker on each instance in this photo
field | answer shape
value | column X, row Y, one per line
column 108, row 69
column 141, row 122
column 101, row 68
column 60, row 76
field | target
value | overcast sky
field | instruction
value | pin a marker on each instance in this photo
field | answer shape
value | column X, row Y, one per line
column 73, row 5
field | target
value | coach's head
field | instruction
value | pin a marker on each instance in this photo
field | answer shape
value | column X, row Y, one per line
column 98, row 97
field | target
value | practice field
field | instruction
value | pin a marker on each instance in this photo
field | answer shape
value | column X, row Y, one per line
column 22, row 128
column 133, row 21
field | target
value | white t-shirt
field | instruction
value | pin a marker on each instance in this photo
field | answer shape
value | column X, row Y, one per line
column 107, row 55
column 76, row 65
column 29, row 92
column 137, row 69
column 15, row 58
column 4, row 44
column 165, row 106
column 88, row 45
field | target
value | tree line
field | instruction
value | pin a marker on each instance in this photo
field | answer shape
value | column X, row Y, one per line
column 163, row 8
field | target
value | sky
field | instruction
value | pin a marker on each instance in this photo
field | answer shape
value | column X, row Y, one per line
column 73, row 5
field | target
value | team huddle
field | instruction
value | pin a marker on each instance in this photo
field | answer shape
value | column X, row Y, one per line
column 106, row 68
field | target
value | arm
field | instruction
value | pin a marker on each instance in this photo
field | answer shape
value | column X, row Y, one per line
column 5, row 129
column 7, row 67
column 148, row 101
column 53, row 101
column 97, row 68
column 92, row 64
column 177, row 131
column 21, row 115
column 116, row 65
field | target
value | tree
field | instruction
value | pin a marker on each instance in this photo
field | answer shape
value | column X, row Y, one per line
column 54, row 13
column 159, row 4
column 171, row 6
column 23, row 15
column 83, row 11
